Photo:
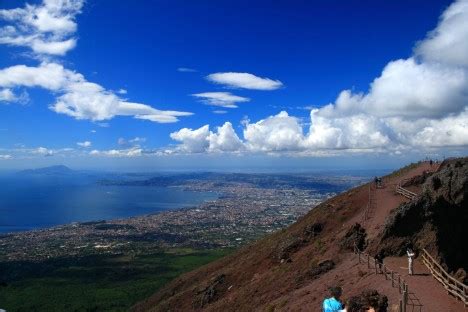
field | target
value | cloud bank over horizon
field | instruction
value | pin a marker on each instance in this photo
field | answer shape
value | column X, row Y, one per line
column 420, row 102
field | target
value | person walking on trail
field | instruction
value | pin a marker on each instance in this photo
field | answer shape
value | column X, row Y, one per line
column 333, row 303
column 379, row 261
column 410, row 254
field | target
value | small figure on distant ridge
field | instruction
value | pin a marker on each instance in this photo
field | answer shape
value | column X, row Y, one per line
column 410, row 254
column 333, row 303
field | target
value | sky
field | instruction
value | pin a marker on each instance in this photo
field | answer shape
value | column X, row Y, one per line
column 200, row 85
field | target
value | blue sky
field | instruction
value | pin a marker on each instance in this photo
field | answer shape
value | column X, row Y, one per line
column 280, row 59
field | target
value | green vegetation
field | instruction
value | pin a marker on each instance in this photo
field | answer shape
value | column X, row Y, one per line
column 94, row 283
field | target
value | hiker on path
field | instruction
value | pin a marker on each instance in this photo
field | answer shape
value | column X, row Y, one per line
column 379, row 260
column 410, row 254
column 333, row 303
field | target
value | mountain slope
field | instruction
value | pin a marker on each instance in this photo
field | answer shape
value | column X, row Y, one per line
column 291, row 270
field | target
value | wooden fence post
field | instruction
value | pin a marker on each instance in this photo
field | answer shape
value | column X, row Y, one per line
column 393, row 284
column 384, row 271
column 401, row 306
column 399, row 283
column 368, row 261
column 405, row 296
column 375, row 265
column 359, row 256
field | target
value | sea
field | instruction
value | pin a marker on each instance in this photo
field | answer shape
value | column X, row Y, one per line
column 39, row 201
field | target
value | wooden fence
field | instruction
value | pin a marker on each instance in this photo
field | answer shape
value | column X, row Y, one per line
column 369, row 203
column 451, row 285
column 392, row 276
column 402, row 191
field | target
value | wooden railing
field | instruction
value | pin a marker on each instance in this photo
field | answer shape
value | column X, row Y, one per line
column 451, row 285
column 402, row 191
column 369, row 203
column 392, row 276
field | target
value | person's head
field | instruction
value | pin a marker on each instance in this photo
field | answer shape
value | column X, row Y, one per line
column 354, row 304
column 336, row 292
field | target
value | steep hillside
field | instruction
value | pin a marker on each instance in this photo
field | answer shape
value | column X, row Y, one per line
column 436, row 220
column 292, row 269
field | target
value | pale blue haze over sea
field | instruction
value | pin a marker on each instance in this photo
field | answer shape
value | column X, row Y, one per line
column 31, row 202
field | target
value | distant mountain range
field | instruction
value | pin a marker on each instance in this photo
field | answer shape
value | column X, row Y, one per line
column 52, row 170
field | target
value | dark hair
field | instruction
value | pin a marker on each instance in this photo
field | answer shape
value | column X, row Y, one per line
column 355, row 304
column 336, row 291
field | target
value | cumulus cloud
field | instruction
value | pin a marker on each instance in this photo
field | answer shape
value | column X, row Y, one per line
column 420, row 102
column 447, row 43
column 84, row 144
column 244, row 81
column 275, row 133
column 222, row 99
column 203, row 140
column 79, row 98
column 46, row 28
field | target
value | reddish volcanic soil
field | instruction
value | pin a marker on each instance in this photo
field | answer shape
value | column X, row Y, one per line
column 255, row 278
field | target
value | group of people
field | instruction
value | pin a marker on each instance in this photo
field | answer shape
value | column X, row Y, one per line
column 335, row 304
column 409, row 252
column 378, row 182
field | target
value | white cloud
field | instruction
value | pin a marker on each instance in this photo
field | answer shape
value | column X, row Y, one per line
column 275, row 133
column 222, row 99
column 192, row 141
column 186, row 70
column 447, row 43
column 219, row 112
column 203, row 140
column 244, row 81
column 6, row 95
column 136, row 141
column 417, row 103
column 122, row 91
column 407, row 89
column 224, row 139
column 130, row 152
column 5, row 156
column 84, row 144
column 78, row 97
column 43, row 151
column 46, row 28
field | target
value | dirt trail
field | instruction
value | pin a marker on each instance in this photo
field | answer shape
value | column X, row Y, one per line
column 423, row 288
column 386, row 199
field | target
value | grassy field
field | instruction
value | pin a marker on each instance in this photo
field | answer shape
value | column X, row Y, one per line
column 97, row 283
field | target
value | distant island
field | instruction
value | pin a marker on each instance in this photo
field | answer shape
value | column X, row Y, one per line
column 51, row 170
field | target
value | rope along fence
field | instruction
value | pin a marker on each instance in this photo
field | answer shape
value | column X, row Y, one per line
column 393, row 277
column 451, row 285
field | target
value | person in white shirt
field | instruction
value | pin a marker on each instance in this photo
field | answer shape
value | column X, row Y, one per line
column 410, row 254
